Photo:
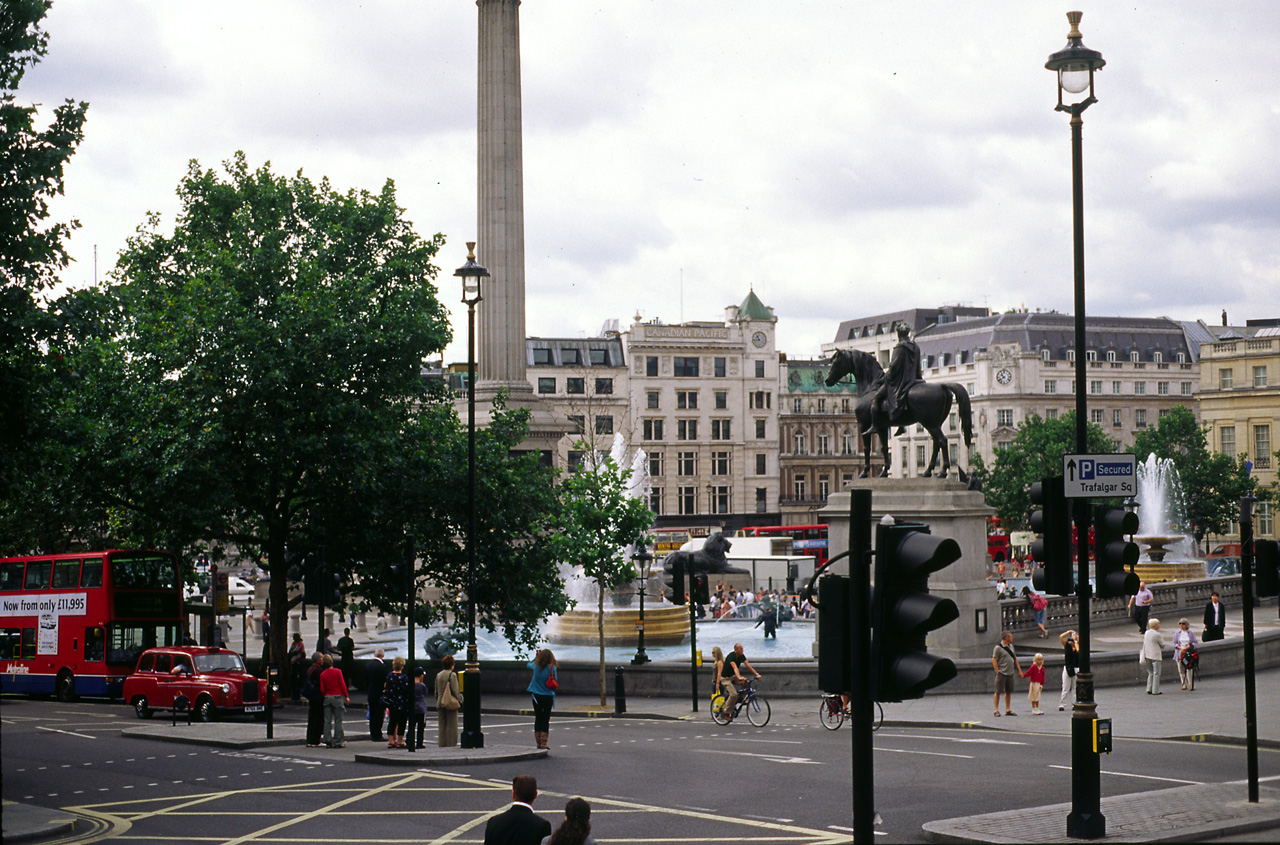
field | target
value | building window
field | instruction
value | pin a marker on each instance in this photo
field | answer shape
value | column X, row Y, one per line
column 1050, row 386
column 575, row 460
column 575, row 385
column 1004, row 417
column 604, row 386
column 688, row 498
column 759, row 369
column 652, row 396
column 824, row 486
column 920, row 456
column 1095, row 387
column 1158, row 357
column 546, row 385
column 1227, row 439
column 541, row 356
column 720, row 429
column 655, row 463
column 686, row 399
column 577, row 423
column 1051, row 414
column 719, row 499
column 1091, row 354
column 1115, row 387
column 1180, row 357
column 604, row 424
column 686, row 429
column 1096, row 415
column 844, row 405
column 762, row 499
column 722, row 400
column 1139, row 388
column 1186, row 388
column 800, row 444
column 822, row 405
column 824, row 444
column 1162, row 388
column 655, row 501
column 1044, row 354
column 599, row 357
column 760, row 400
column 720, row 463
column 651, row 365
column 719, row 367
column 1111, row 355
column 1133, row 357
column 686, row 367
column 652, row 429
column 797, row 406
column 1071, row 356
column 569, row 357
column 846, row 443
column 1262, row 446
column 1264, row 520
column 1140, row 418
column 1225, row 379
column 1117, row 419
column 800, row 485
column 1260, row 376
column 1002, row 445
column 761, row 464
column 686, row 463
column 760, row 425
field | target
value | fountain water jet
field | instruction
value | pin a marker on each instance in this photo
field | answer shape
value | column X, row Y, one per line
column 1165, row 554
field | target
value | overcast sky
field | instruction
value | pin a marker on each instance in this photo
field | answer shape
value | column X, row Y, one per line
column 841, row 158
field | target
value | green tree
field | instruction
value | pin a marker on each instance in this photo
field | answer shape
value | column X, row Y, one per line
column 598, row 523
column 32, row 253
column 1212, row 483
column 1036, row 452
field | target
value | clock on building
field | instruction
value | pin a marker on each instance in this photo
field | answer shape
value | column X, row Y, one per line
column 759, row 340
column 1004, row 376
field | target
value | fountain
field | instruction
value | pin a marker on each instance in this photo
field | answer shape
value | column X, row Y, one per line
column 664, row 624
column 1165, row 547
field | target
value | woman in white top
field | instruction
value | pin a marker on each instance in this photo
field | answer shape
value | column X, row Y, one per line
column 1153, row 652
column 1184, row 643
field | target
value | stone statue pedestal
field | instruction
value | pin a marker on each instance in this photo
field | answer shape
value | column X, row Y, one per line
column 951, row 510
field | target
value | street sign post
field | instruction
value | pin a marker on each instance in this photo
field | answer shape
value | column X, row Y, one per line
column 1099, row 476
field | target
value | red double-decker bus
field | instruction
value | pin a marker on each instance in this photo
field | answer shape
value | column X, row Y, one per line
column 74, row 624
column 808, row 540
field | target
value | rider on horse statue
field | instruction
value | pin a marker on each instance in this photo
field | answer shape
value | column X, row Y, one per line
column 891, row 393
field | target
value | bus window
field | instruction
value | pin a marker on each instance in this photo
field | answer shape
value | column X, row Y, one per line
column 66, row 573
column 150, row 572
column 92, row 574
column 28, row 644
column 9, row 642
column 11, row 576
column 38, row 572
column 94, row 644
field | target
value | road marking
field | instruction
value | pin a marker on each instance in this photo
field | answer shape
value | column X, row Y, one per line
column 1142, row 777
column 772, row 758
column 927, row 753
column 956, row 739
column 68, row 733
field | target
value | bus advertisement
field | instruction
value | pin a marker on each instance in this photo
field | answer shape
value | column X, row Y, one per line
column 74, row 624
column 808, row 540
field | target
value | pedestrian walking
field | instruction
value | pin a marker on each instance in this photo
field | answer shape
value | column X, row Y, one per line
column 576, row 827
column 376, row 677
column 1140, row 606
column 1215, row 618
column 297, row 656
column 397, row 695
column 1035, row 677
column 1005, row 664
column 1070, row 664
column 336, row 700
column 347, row 650
column 418, row 726
column 315, row 700
column 543, row 688
column 1153, row 655
column 1186, row 651
column 448, row 703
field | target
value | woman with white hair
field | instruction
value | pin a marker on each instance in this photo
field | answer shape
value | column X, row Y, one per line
column 1184, row 646
column 1153, row 654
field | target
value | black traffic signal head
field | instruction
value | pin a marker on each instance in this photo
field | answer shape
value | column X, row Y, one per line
column 673, row 579
column 1266, row 560
column 1052, row 549
column 835, row 669
column 903, row 612
column 1114, row 556
column 699, row 587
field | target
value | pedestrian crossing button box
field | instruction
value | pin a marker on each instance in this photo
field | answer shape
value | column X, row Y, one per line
column 1101, row 736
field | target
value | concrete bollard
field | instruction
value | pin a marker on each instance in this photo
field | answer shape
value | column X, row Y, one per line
column 619, row 690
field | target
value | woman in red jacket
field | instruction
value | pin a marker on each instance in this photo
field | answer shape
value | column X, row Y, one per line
column 336, row 699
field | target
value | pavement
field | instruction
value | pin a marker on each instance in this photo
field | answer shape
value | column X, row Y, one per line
column 1212, row 713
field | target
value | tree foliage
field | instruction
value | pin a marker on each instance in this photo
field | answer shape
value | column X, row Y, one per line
column 1035, row 453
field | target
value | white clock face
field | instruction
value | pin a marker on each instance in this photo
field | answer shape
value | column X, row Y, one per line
column 1004, row 376
column 759, row 339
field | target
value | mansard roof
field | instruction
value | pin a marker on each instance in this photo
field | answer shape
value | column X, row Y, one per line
column 1056, row 333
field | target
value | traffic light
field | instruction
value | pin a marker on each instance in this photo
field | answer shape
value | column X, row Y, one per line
column 699, row 588
column 1052, row 549
column 903, row 612
column 1114, row 556
column 673, row 580
column 1266, row 560
column 834, row 648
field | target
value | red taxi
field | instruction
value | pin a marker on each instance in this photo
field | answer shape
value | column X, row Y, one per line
column 212, row 680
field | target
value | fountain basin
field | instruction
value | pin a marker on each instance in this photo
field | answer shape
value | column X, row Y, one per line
column 664, row 624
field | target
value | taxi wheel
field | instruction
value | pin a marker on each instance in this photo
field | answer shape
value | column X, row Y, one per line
column 141, row 707
column 204, row 709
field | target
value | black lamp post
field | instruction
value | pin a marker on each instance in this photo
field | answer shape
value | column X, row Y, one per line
column 1075, row 65
column 644, row 562
column 471, row 273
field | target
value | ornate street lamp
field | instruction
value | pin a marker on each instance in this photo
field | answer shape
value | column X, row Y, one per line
column 471, row 274
column 644, row 564
column 1075, row 65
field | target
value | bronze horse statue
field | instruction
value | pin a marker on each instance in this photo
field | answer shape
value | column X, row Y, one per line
column 927, row 404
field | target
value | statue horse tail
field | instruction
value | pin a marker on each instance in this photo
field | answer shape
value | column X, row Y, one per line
column 966, row 416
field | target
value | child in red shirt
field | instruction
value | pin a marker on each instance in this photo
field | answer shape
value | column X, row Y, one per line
column 1035, row 674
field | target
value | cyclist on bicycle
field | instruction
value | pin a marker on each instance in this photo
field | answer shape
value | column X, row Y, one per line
column 736, row 661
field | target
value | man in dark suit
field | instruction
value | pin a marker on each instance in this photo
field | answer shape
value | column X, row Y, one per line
column 377, row 676
column 518, row 825
column 1215, row 618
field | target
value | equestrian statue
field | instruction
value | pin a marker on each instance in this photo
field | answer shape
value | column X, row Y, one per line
column 900, row 398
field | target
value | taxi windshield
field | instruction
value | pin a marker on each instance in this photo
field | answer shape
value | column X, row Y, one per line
column 221, row 662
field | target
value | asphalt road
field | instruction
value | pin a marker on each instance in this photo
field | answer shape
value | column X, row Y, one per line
column 673, row 781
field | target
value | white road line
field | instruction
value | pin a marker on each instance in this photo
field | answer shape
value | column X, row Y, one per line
column 68, row 733
column 1142, row 777
column 927, row 753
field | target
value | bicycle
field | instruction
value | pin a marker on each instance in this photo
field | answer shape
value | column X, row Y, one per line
column 832, row 713
column 748, row 699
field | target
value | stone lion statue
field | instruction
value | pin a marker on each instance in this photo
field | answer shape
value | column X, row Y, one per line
column 711, row 558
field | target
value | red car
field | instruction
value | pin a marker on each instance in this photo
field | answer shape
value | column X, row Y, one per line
column 213, row 680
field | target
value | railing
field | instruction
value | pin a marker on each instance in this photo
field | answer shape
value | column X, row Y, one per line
column 1172, row 599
